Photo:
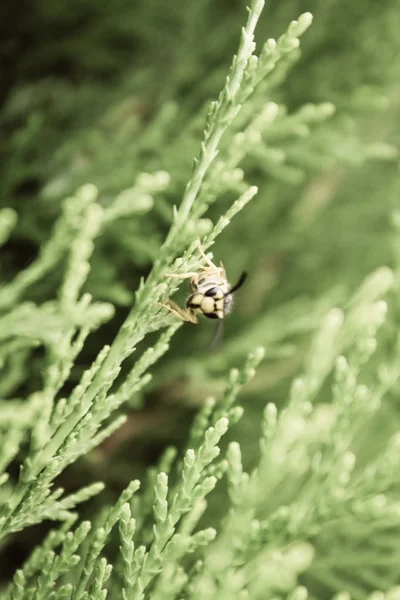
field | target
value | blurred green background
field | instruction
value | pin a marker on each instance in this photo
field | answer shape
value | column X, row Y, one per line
column 100, row 93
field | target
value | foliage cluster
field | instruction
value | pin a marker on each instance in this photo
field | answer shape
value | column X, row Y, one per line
column 288, row 489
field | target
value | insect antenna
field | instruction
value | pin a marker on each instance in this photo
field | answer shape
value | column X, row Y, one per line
column 239, row 284
column 218, row 336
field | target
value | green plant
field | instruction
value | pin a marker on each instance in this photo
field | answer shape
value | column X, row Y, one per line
column 313, row 511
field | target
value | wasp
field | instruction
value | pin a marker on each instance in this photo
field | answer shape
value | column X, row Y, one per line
column 211, row 294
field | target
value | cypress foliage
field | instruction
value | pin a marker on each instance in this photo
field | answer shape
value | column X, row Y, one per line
column 138, row 460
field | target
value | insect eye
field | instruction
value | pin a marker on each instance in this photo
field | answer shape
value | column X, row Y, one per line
column 212, row 292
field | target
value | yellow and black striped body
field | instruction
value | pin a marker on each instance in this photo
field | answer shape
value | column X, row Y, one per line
column 210, row 297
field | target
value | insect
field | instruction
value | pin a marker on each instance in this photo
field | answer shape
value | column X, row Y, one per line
column 211, row 294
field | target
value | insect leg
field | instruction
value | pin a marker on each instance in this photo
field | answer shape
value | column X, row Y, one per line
column 204, row 255
column 179, row 312
column 181, row 275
